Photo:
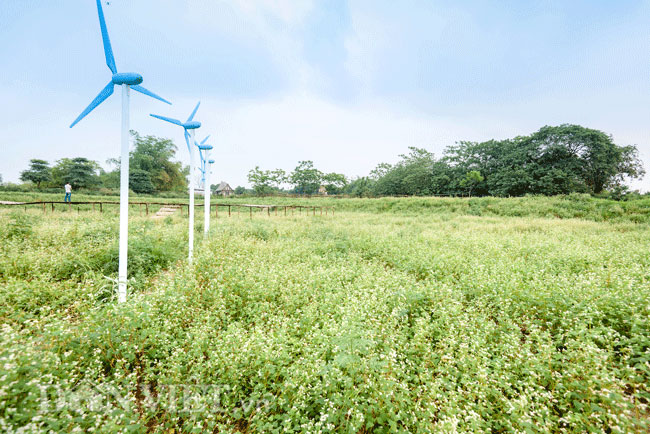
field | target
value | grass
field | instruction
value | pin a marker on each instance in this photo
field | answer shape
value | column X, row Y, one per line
column 408, row 315
column 575, row 206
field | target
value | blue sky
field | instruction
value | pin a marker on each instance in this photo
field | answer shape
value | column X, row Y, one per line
column 347, row 84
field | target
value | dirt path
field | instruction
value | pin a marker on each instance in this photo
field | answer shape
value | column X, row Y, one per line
column 165, row 211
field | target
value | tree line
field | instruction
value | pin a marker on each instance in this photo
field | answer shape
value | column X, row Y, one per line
column 151, row 169
column 305, row 179
column 553, row 160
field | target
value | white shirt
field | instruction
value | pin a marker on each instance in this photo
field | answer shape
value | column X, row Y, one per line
column 68, row 188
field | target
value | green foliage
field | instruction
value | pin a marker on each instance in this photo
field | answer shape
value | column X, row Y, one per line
column 334, row 183
column 305, row 178
column 360, row 187
column 554, row 160
column 150, row 166
column 79, row 172
column 140, row 181
column 19, row 226
column 154, row 155
column 422, row 319
column 265, row 181
column 39, row 171
column 471, row 180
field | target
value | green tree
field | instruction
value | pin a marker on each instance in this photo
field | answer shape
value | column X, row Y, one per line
column 554, row 160
column 334, row 183
column 471, row 180
column 39, row 171
column 360, row 187
column 305, row 178
column 261, row 180
column 587, row 154
column 79, row 172
column 152, row 155
column 412, row 175
column 278, row 177
column 140, row 181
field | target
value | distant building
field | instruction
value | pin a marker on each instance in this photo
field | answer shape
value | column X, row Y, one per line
column 322, row 190
column 224, row 189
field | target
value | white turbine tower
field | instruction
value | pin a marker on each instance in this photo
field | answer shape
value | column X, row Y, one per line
column 204, row 153
column 189, row 127
column 128, row 80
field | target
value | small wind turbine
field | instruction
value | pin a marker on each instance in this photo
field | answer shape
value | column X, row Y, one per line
column 126, row 80
column 189, row 126
column 204, row 152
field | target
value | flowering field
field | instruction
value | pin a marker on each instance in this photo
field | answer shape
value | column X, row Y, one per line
column 413, row 321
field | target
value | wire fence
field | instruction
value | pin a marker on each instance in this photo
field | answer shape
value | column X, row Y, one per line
column 144, row 207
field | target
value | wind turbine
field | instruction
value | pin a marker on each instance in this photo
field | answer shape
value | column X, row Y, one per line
column 128, row 80
column 188, row 126
column 204, row 151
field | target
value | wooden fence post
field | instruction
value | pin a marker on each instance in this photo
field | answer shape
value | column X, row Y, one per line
column 52, row 207
column 228, row 210
column 250, row 210
column 216, row 211
column 147, row 207
column 101, row 208
column 43, row 207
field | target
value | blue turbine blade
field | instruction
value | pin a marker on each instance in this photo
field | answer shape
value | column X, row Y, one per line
column 165, row 118
column 105, row 93
column 108, row 50
column 194, row 112
column 187, row 140
column 206, row 139
column 141, row 89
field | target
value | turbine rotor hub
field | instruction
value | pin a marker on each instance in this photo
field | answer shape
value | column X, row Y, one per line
column 130, row 78
column 192, row 125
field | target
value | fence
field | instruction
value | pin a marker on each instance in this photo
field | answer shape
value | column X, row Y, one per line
column 285, row 209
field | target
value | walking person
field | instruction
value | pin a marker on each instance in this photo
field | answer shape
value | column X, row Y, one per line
column 68, row 192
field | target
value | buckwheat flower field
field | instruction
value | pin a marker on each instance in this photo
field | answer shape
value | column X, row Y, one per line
column 521, row 315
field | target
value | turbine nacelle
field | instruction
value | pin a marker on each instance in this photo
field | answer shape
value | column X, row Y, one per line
column 130, row 78
column 192, row 125
column 189, row 124
column 205, row 147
